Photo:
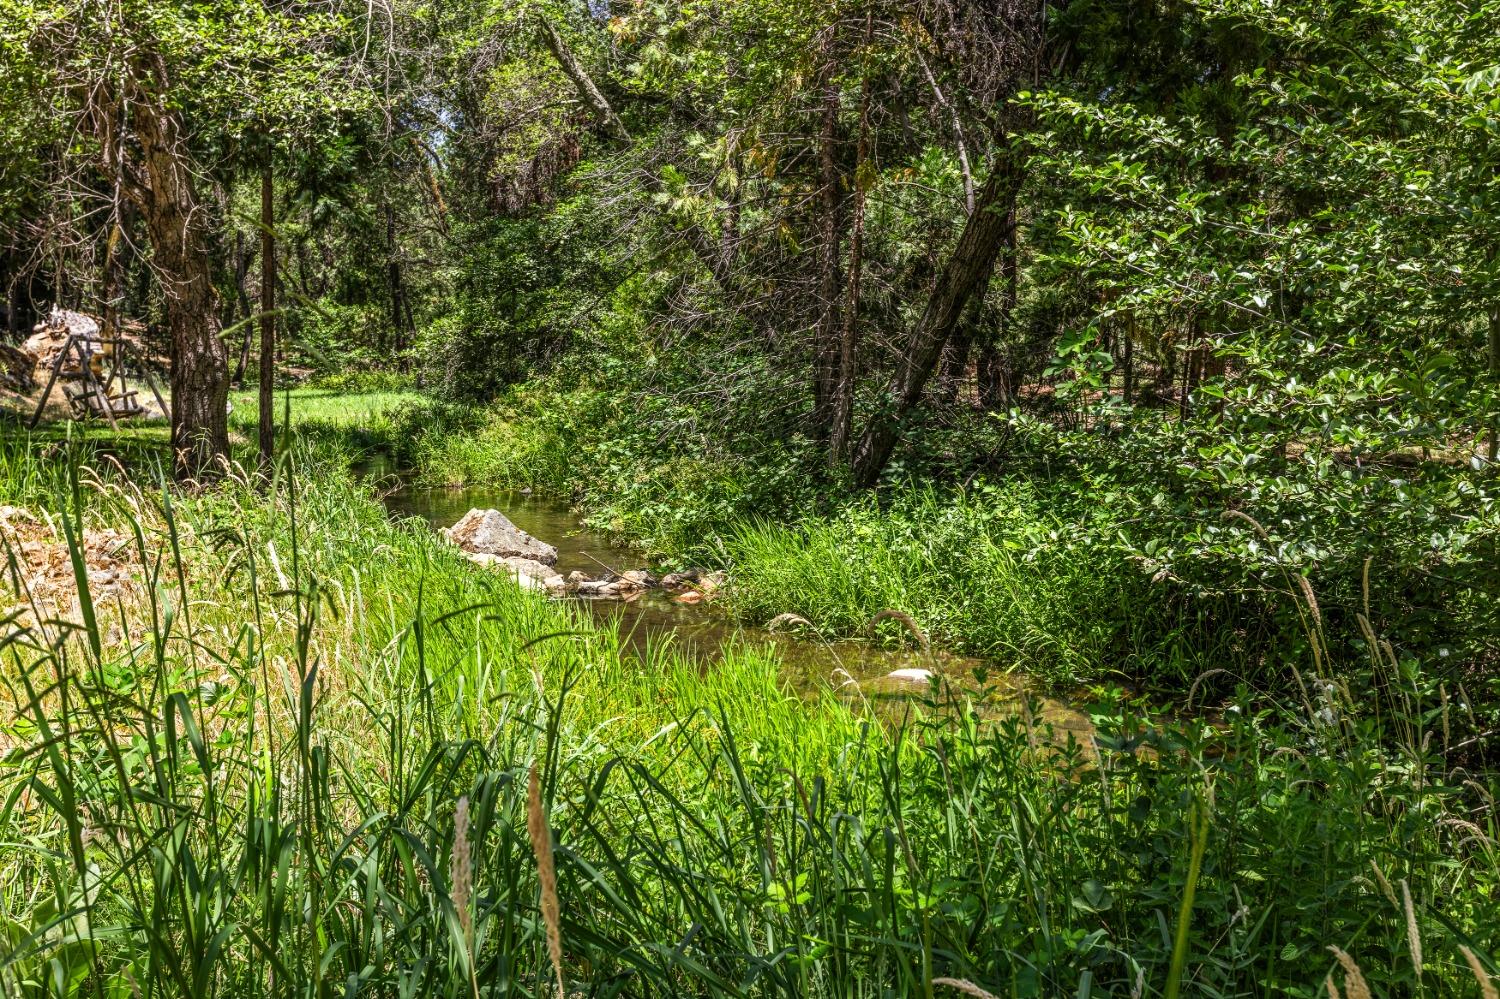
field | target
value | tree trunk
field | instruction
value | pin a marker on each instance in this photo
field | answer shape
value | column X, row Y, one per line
column 12, row 313
column 996, row 373
column 843, row 388
column 1494, row 452
column 967, row 269
column 1187, row 377
column 826, row 350
column 244, row 313
column 176, row 221
column 267, row 430
column 111, row 271
column 1127, row 391
column 953, row 366
column 587, row 92
column 708, row 253
column 393, row 280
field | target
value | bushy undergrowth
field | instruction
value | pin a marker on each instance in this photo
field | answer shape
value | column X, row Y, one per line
column 643, row 466
column 989, row 571
column 1137, row 553
column 245, row 780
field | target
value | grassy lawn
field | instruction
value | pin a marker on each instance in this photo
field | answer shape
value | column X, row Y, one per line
column 325, row 406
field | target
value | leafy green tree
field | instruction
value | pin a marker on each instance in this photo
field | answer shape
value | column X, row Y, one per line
column 155, row 91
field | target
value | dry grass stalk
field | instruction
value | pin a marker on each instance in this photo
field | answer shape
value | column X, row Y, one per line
column 1385, row 886
column 783, row 620
column 1193, row 690
column 965, row 986
column 1487, row 988
column 1354, row 979
column 460, row 873
column 1311, row 599
column 1413, row 936
column 1241, row 515
column 541, row 846
column 906, row 621
column 1333, row 990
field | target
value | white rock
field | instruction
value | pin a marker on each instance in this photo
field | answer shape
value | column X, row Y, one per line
column 529, row 568
column 490, row 532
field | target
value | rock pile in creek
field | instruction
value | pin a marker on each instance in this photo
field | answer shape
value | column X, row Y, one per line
column 490, row 539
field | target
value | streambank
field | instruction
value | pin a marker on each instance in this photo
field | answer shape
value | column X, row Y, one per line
column 652, row 620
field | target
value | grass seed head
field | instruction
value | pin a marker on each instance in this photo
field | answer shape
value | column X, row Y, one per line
column 965, row 986
column 541, row 846
column 1354, row 979
column 461, row 873
column 1487, row 988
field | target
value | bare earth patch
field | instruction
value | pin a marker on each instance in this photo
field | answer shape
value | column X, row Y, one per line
column 39, row 567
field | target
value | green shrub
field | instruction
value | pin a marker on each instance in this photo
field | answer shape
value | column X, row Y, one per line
column 362, row 381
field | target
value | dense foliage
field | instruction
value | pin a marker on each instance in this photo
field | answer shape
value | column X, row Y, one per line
column 309, row 772
column 1118, row 342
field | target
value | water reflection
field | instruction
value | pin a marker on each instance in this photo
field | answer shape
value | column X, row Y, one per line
column 857, row 671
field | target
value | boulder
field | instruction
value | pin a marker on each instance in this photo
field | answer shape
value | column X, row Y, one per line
column 528, row 567
column 911, row 675
column 490, row 532
column 677, row 580
column 700, row 581
column 528, row 573
column 636, row 579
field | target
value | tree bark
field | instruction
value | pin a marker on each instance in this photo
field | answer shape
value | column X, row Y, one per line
column 267, row 429
column 177, row 224
column 241, row 271
column 393, row 281
column 12, row 312
column 708, row 253
column 825, row 349
column 996, row 372
column 1494, row 451
column 587, row 91
column 843, row 388
column 967, row 268
column 954, row 365
column 111, row 272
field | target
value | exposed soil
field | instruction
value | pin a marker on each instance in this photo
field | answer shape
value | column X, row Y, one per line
column 39, row 573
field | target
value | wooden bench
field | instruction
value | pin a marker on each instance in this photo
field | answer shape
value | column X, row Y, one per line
column 87, row 402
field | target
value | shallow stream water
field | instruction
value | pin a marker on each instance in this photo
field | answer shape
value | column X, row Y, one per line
column 856, row 670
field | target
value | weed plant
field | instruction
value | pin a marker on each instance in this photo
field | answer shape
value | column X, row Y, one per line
column 297, row 760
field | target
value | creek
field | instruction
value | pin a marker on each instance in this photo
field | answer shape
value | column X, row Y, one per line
column 857, row 670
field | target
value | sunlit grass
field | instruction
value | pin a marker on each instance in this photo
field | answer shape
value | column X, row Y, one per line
column 318, row 405
column 242, row 781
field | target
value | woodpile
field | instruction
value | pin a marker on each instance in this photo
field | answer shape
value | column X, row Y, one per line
column 43, row 577
column 50, row 337
column 17, row 369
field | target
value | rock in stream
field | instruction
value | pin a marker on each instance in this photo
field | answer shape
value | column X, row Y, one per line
column 490, row 532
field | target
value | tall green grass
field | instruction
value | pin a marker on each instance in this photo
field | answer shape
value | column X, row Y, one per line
column 244, row 780
column 994, row 574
